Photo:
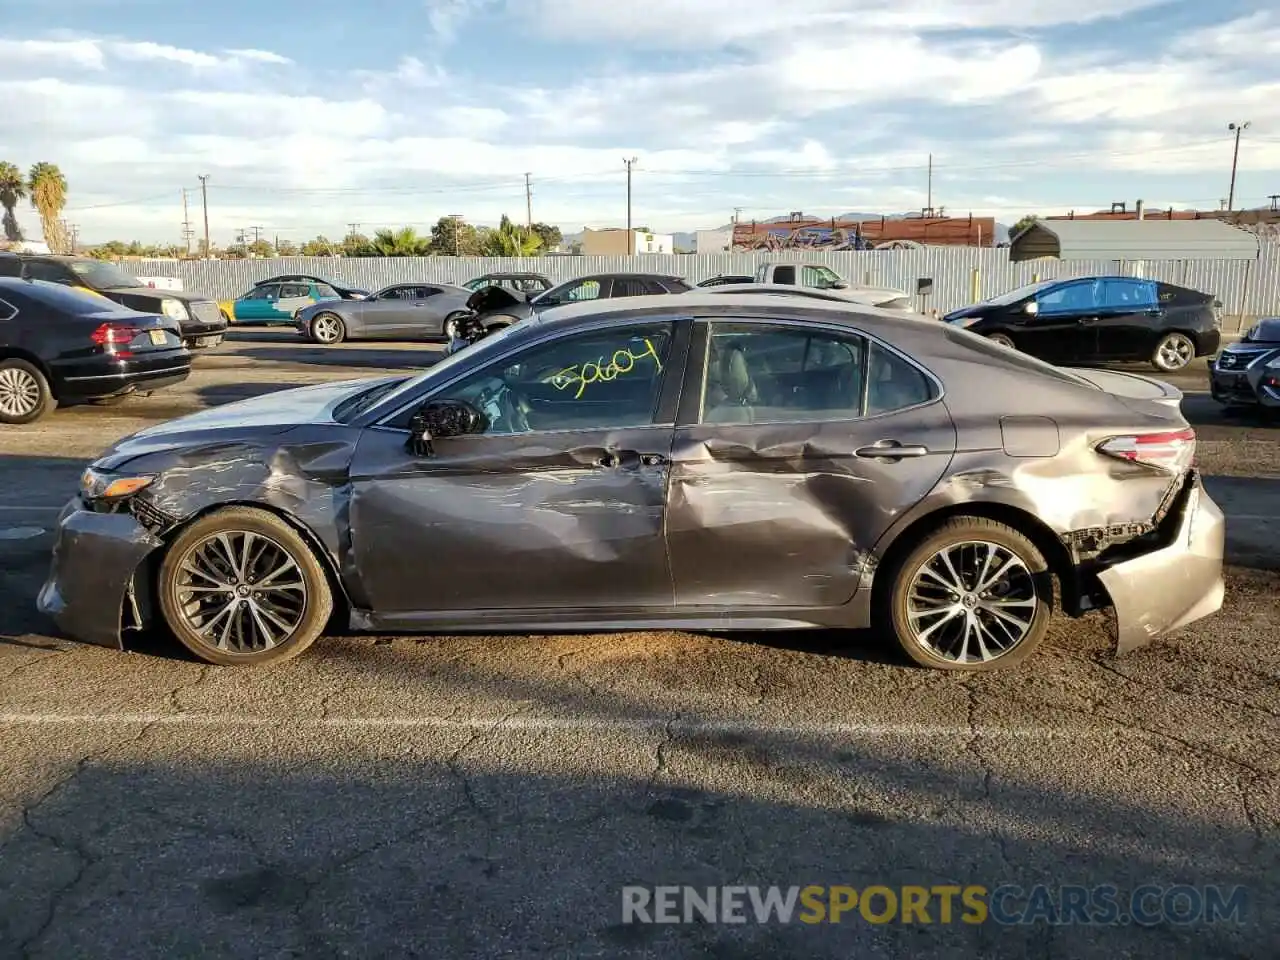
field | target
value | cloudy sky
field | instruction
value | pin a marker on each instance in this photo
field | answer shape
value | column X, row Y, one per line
column 311, row 115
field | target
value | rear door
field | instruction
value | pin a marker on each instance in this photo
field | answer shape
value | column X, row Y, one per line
column 1128, row 319
column 292, row 298
column 797, row 445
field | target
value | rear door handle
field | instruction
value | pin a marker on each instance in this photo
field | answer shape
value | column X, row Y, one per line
column 653, row 459
column 607, row 461
column 891, row 450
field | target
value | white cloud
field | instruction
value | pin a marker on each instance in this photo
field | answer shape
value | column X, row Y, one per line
column 48, row 56
column 446, row 17
column 146, row 51
column 259, row 56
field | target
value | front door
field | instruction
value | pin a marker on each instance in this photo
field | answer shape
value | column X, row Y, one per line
column 258, row 305
column 783, row 477
column 391, row 312
column 561, row 502
column 1063, row 329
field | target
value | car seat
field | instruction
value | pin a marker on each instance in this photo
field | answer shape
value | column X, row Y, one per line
column 732, row 395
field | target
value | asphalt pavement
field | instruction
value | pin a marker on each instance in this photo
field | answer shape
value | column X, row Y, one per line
column 488, row 796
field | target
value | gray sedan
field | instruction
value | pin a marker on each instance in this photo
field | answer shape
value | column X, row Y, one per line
column 403, row 311
column 703, row 462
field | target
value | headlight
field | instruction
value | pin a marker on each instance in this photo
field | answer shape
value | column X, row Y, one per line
column 99, row 485
column 173, row 309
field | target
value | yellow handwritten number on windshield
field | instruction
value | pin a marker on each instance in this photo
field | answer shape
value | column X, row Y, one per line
column 622, row 362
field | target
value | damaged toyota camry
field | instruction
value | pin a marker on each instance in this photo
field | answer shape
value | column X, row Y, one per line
column 695, row 462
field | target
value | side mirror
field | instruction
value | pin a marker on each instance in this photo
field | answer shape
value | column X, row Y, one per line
column 441, row 419
column 839, row 285
column 1031, row 308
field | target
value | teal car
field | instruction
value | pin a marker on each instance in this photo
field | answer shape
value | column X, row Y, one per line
column 276, row 302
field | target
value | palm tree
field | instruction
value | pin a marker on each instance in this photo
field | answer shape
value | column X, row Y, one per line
column 404, row 242
column 510, row 240
column 12, row 189
column 48, row 189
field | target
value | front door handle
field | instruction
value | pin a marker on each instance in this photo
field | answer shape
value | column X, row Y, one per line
column 653, row 459
column 607, row 461
column 891, row 450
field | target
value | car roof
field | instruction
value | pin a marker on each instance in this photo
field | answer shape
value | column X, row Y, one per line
column 706, row 302
column 846, row 295
column 614, row 274
column 512, row 273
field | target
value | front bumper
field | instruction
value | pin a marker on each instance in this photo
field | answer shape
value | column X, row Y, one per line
column 1248, row 386
column 1175, row 584
column 93, row 587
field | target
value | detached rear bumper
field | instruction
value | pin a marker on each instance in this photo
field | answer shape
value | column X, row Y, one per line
column 92, row 576
column 1177, row 583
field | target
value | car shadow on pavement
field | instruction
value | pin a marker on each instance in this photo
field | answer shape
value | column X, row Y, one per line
column 320, row 837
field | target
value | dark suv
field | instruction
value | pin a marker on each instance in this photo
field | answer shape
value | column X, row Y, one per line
column 199, row 318
column 1095, row 319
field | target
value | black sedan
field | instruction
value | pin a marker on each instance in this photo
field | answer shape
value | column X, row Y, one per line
column 1100, row 319
column 63, row 346
column 1247, row 373
column 696, row 462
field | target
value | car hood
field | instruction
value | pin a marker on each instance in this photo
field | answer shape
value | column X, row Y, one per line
column 152, row 293
column 270, row 414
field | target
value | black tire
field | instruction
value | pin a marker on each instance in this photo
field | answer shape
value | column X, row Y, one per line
column 315, row 605
column 25, row 396
column 450, row 328
column 1003, row 339
column 1174, row 352
column 321, row 323
column 1034, row 580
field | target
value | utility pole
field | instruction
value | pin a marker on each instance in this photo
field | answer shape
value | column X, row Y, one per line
column 930, row 201
column 1239, row 128
column 1275, row 200
column 457, row 233
column 737, row 214
column 528, row 201
column 204, row 196
column 187, row 233
column 631, row 236
column 257, row 234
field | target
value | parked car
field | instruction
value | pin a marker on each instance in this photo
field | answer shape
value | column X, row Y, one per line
column 886, row 298
column 817, row 276
column 1096, row 319
column 63, row 346
column 703, row 462
column 276, row 302
column 1247, row 373
column 528, row 284
column 402, row 311
column 727, row 278
column 598, row 286
column 200, row 319
column 344, row 291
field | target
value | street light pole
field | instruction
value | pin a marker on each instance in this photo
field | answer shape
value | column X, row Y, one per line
column 1239, row 128
column 631, row 237
column 204, row 197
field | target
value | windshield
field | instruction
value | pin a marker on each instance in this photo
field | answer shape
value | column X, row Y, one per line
column 488, row 345
column 103, row 276
column 1013, row 296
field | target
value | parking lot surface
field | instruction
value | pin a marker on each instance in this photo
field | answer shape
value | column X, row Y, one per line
column 487, row 796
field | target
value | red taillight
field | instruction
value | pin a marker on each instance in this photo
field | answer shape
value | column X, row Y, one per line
column 114, row 335
column 1172, row 450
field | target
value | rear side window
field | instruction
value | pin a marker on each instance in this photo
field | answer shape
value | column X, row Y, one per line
column 1119, row 294
column 289, row 291
column 51, row 272
column 784, row 275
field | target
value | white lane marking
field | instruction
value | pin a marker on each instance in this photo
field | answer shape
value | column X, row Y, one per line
column 20, row 533
column 545, row 724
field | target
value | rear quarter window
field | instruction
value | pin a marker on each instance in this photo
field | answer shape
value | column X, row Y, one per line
column 1172, row 295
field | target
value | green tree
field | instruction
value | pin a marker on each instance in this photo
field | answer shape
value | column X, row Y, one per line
column 319, row 247
column 451, row 237
column 357, row 245
column 550, row 236
column 510, row 240
column 286, row 248
column 1022, row 224
column 261, row 248
column 404, row 242
column 13, row 187
column 48, row 190
column 236, row 251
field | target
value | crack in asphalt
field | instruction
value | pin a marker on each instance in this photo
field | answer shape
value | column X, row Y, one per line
column 201, row 676
column 33, row 662
column 1182, row 690
column 974, row 746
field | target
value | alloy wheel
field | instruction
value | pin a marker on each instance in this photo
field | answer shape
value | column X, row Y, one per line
column 1175, row 352
column 326, row 328
column 972, row 602
column 241, row 592
column 19, row 392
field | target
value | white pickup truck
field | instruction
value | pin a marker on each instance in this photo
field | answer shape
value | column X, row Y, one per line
column 814, row 275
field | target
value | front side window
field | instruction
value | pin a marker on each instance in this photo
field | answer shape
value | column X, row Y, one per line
column 607, row 379
column 767, row 374
column 48, row 272
column 268, row 291
column 326, row 292
column 1070, row 298
column 587, row 290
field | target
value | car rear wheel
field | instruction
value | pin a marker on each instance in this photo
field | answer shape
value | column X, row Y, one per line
column 328, row 328
column 1173, row 352
column 240, row 587
column 25, row 396
column 1003, row 339
column 974, row 595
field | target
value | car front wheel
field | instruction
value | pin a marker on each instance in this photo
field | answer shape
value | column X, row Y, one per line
column 974, row 595
column 1173, row 352
column 240, row 587
column 328, row 328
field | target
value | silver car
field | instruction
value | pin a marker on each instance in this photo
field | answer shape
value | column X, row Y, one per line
column 403, row 311
column 886, row 298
